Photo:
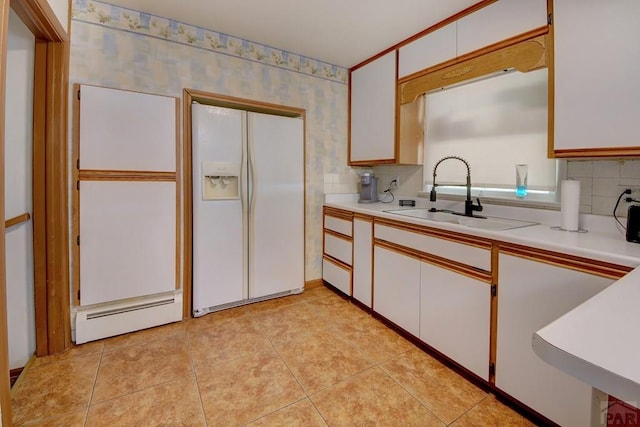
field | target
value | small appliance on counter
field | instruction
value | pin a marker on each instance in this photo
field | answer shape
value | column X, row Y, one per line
column 633, row 224
column 368, row 188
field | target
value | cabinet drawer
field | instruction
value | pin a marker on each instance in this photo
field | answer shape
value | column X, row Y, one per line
column 336, row 275
column 338, row 225
column 460, row 252
column 338, row 248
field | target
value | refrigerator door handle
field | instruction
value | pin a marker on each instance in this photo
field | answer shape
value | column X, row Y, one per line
column 252, row 169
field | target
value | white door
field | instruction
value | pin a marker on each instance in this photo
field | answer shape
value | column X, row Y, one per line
column 276, row 204
column 219, row 263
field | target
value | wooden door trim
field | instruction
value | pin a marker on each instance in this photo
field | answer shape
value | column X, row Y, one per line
column 5, row 396
column 50, row 173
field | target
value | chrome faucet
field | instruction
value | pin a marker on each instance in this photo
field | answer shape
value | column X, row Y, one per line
column 469, row 207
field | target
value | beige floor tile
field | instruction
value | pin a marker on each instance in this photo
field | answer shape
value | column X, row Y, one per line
column 290, row 321
column 73, row 419
column 144, row 336
column 74, row 352
column 443, row 391
column 213, row 343
column 490, row 412
column 176, row 403
column 299, row 414
column 55, row 389
column 245, row 389
column 260, row 307
column 374, row 339
column 312, row 293
column 372, row 398
column 320, row 359
column 134, row 368
column 337, row 309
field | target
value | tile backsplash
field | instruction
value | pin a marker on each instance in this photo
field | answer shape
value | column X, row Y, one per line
column 601, row 182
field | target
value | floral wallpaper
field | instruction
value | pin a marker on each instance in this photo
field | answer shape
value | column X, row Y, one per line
column 99, row 13
column 125, row 49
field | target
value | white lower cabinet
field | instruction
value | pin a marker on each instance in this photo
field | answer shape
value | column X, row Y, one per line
column 455, row 317
column 362, row 260
column 397, row 288
column 531, row 295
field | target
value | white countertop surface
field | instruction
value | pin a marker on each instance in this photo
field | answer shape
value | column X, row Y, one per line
column 597, row 342
column 603, row 241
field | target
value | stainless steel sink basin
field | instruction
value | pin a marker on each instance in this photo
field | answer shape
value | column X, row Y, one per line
column 485, row 223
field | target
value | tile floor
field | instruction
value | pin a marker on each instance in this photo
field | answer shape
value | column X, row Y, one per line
column 306, row 360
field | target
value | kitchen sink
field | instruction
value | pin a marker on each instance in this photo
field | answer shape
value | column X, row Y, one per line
column 485, row 223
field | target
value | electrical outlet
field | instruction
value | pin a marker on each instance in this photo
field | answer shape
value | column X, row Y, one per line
column 395, row 183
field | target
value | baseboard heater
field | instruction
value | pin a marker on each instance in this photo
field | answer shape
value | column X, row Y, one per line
column 94, row 323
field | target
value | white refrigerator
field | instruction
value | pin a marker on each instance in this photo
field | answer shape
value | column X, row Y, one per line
column 248, row 207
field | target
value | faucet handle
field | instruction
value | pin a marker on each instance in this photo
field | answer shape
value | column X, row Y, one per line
column 477, row 208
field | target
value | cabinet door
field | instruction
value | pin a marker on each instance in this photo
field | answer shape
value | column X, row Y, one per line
column 362, row 259
column 531, row 295
column 373, row 106
column 432, row 49
column 455, row 317
column 397, row 289
column 499, row 21
column 596, row 74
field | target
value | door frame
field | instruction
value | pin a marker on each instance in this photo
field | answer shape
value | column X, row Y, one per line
column 50, row 184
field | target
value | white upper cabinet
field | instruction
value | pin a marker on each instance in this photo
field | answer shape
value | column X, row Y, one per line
column 373, row 106
column 431, row 49
column 499, row 21
column 597, row 63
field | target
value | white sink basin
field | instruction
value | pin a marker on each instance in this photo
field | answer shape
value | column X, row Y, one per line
column 425, row 214
column 485, row 223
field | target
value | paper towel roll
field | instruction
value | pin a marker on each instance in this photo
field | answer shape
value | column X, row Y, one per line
column 570, row 205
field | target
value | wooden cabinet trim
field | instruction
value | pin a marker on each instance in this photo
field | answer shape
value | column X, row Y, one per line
column 118, row 175
column 585, row 265
column 532, row 34
column 493, row 327
column 452, row 236
column 337, row 262
column 457, row 267
column 362, row 217
column 611, row 152
column 338, row 235
column 338, row 213
column 525, row 55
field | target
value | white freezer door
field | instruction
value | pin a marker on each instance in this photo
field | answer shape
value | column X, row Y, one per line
column 276, row 221
column 219, row 266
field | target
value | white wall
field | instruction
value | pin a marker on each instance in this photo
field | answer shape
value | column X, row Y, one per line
column 61, row 9
column 18, row 198
column 154, row 58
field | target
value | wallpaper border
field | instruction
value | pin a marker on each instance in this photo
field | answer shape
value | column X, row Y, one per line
column 133, row 21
